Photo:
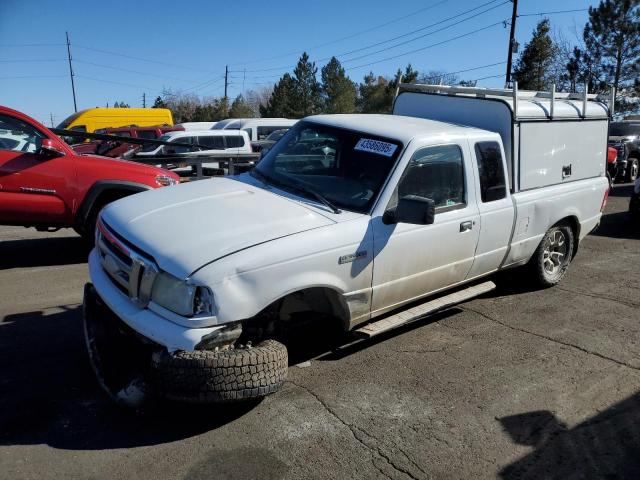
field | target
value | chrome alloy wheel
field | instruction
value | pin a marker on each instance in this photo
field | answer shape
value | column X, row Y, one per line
column 555, row 251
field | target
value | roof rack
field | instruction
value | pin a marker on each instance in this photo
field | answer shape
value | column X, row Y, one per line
column 514, row 94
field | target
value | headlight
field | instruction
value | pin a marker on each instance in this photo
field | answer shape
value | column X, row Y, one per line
column 180, row 297
column 165, row 180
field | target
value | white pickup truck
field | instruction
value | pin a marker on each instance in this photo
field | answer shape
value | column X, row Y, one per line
column 373, row 220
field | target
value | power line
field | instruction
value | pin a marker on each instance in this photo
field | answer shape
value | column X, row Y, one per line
column 427, row 46
column 110, row 81
column 425, row 28
column 397, row 37
column 553, row 13
column 38, row 60
column 109, row 52
column 348, row 37
column 130, row 71
column 32, row 76
column 12, row 45
column 421, row 36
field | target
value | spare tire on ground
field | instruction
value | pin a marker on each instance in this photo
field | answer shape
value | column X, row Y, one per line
column 205, row 376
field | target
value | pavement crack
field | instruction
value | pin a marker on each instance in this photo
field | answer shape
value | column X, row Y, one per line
column 366, row 440
column 551, row 339
column 600, row 296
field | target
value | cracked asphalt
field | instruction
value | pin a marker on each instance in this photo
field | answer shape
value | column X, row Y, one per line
column 516, row 384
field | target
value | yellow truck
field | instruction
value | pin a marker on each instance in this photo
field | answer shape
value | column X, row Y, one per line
column 94, row 119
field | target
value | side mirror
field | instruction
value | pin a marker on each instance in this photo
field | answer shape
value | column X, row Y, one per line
column 411, row 209
column 49, row 149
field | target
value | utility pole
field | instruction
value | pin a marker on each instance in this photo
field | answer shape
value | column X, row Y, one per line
column 73, row 87
column 144, row 100
column 51, row 116
column 244, row 76
column 512, row 41
column 226, row 80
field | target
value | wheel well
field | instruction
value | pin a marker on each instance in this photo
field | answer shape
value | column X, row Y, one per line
column 103, row 192
column 325, row 302
column 573, row 223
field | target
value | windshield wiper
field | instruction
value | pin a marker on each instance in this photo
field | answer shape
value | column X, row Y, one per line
column 304, row 189
column 294, row 186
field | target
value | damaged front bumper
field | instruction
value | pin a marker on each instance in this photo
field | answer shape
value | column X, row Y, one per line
column 144, row 321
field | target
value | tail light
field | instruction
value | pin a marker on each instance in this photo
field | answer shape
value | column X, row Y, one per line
column 604, row 199
column 612, row 155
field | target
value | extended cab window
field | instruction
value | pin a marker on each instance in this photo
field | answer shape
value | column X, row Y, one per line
column 212, row 143
column 235, row 141
column 436, row 173
column 18, row 136
column 492, row 180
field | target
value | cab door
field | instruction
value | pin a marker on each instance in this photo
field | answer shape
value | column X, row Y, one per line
column 35, row 189
column 411, row 261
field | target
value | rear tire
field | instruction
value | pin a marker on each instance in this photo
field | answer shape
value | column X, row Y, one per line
column 632, row 170
column 551, row 259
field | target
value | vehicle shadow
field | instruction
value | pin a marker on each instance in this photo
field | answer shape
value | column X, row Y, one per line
column 621, row 190
column 49, row 395
column 323, row 338
column 617, row 225
column 606, row 445
column 42, row 252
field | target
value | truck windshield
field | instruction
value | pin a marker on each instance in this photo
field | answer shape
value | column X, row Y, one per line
column 347, row 168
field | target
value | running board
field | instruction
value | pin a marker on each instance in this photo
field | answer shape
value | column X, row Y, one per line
column 419, row 311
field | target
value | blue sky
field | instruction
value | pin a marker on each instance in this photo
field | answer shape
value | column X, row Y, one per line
column 122, row 49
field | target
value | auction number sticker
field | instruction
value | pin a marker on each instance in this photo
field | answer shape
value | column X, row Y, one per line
column 375, row 146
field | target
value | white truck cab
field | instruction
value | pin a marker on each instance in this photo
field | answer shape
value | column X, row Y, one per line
column 354, row 216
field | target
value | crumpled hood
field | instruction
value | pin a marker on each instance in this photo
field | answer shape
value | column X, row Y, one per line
column 186, row 226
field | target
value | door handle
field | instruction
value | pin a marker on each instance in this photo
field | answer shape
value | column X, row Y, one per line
column 466, row 226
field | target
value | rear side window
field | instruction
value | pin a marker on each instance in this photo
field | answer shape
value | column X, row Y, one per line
column 234, row 142
column 436, row 173
column 146, row 134
column 179, row 148
column 212, row 143
column 492, row 179
column 264, row 132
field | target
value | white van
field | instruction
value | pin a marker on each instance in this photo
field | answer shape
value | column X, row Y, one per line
column 196, row 125
column 257, row 128
column 202, row 142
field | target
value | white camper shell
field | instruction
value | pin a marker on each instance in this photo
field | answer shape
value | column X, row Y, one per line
column 549, row 138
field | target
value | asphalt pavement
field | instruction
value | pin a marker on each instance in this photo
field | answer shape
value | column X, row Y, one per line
column 520, row 383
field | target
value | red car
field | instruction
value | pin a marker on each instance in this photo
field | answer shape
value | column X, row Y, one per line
column 46, row 185
column 116, row 149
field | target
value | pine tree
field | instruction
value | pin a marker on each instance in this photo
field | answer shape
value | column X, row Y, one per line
column 159, row 103
column 533, row 70
column 307, row 99
column 338, row 90
column 280, row 103
column 240, row 108
column 373, row 94
column 612, row 37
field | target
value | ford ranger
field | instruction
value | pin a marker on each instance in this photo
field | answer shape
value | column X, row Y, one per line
column 373, row 220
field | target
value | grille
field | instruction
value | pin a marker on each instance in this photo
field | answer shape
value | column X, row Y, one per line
column 130, row 271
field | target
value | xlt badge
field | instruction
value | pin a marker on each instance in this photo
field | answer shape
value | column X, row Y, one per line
column 350, row 258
